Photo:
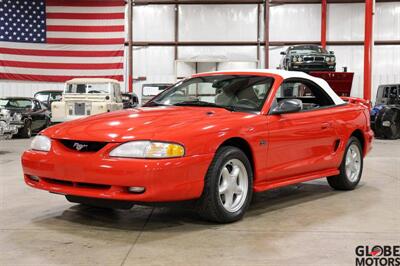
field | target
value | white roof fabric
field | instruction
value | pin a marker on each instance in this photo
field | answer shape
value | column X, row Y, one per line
column 290, row 74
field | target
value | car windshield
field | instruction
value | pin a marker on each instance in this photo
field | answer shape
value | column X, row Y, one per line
column 233, row 92
column 15, row 103
column 154, row 89
column 43, row 97
column 307, row 49
column 88, row 88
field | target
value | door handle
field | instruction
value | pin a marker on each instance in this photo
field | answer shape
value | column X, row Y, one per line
column 326, row 125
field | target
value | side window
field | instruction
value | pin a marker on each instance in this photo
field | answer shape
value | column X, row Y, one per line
column 36, row 105
column 311, row 95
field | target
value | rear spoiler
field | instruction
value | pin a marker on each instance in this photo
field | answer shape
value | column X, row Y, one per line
column 366, row 103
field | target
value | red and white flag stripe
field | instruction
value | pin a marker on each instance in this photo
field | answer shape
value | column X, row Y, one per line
column 83, row 39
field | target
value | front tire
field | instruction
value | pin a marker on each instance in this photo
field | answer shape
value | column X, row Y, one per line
column 351, row 167
column 228, row 186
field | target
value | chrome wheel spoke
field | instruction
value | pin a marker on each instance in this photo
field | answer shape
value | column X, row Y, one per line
column 235, row 171
column 223, row 188
column 225, row 173
column 238, row 190
column 228, row 200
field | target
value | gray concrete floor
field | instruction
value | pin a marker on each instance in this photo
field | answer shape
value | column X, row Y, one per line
column 306, row 224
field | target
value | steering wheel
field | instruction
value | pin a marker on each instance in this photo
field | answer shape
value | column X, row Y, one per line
column 247, row 102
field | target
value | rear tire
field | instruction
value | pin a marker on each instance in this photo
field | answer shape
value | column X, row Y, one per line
column 351, row 167
column 228, row 186
column 391, row 117
column 26, row 131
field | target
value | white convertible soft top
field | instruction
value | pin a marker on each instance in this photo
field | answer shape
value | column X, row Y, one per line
column 288, row 74
column 91, row 80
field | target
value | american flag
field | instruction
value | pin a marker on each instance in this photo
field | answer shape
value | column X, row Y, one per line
column 56, row 40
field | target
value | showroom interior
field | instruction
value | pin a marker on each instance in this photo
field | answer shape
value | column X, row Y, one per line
column 122, row 111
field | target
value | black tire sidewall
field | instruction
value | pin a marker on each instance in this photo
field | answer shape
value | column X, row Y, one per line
column 23, row 131
column 221, row 158
column 28, row 129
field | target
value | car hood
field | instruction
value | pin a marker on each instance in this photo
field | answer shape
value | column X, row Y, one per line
column 161, row 123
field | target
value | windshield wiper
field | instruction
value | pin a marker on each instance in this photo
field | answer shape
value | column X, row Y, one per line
column 154, row 103
column 205, row 104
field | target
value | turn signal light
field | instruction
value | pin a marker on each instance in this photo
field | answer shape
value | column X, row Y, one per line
column 136, row 189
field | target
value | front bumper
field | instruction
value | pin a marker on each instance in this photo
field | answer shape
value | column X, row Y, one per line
column 7, row 129
column 95, row 175
column 312, row 66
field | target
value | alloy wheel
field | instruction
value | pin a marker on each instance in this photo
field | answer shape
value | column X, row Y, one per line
column 233, row 185
column 353, row 163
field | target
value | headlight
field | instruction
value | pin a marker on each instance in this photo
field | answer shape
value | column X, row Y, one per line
column 300, row 59
column 294, row 59
column 327, row 59
column 148, row 149
column 17, row 117
column 41, row 143
column 333, row 59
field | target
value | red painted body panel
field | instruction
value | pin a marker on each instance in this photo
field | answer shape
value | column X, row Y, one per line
column 298, row 147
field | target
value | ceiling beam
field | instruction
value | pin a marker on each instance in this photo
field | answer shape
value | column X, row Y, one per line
column 238, row 2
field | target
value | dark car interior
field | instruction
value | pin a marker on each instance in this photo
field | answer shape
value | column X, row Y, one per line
column 311, row 95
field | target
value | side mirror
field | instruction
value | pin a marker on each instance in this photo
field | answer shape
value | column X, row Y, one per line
column 283, row 53
column 331, row 52
column 287, row 106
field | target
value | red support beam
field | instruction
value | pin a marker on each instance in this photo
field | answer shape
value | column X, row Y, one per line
column 323, row 23
column 266, row 33
column 368, row 43
column 130, row 52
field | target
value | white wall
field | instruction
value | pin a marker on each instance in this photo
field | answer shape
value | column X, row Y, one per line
column 239, row 23
column 26, row 88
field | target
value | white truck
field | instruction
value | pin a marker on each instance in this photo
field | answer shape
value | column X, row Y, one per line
column 87, row 96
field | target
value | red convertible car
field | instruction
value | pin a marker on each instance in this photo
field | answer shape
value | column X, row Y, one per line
column 214, row 138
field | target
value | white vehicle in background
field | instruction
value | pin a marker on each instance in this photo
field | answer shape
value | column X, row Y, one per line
column 87, row 96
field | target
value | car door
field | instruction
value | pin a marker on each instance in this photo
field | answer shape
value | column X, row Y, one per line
column 38, row 115
column 302, row 142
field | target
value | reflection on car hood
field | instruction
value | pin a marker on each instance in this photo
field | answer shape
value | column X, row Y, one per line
column 162, row 123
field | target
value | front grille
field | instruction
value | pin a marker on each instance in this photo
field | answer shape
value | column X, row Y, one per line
column 83, row 146
column 314, row 58
column 75, row 184
column 79, row 108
